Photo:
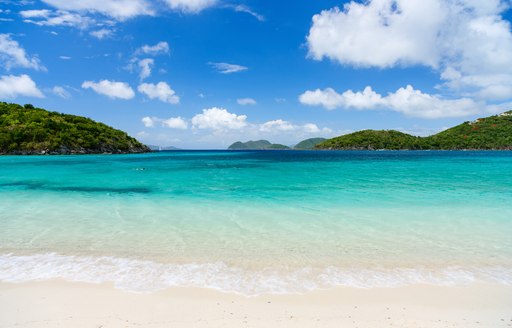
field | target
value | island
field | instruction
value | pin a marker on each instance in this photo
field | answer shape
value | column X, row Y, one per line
column 489, row 133
column 26, row 130
column 257, row 145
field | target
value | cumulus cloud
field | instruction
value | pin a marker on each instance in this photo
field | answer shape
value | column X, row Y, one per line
column 111, row 89
column 175, row 123
column 276, row 125
column 45, row 17
column 13, row 55
column 148, row 122
column 406, row 100
column 161, row 48
column 246, row 101
column 12, row 86
column 380, row 33
column 117, row 9
column 225, row 68
column 190, row 6
column 61, row 92
column 161, row 91
column 218, row 119
column 468, row 42
column 327, row 98
column 102, row 33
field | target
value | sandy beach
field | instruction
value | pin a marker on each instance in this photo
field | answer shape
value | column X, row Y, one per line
column 66, row 304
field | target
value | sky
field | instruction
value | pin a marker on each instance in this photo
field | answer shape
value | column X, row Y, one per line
column 202, row 74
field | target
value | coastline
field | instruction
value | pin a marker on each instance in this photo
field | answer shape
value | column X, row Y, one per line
column 58, row 303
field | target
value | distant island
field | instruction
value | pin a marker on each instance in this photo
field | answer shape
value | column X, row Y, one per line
column 490, row 133
column 267, row 145
column 257, row 145
column 26, row 130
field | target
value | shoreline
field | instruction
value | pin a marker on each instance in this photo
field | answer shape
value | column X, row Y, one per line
column 58, row 303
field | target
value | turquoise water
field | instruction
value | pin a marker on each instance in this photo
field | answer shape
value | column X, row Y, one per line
column 258, row 222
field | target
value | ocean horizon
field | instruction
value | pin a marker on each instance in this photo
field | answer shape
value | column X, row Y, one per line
column 256, row 222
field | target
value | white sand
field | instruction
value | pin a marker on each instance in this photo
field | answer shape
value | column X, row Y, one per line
column 65, row 304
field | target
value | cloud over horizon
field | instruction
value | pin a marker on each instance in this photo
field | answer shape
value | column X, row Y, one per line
column 468, row 43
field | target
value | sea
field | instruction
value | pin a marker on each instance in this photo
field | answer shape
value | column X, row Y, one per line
column 258, row 222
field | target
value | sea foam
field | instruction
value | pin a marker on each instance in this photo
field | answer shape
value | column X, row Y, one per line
column 148, row 276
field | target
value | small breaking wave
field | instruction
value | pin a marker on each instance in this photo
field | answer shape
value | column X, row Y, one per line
column 148, row 276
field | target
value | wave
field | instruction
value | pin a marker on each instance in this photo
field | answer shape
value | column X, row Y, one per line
column 148, row 276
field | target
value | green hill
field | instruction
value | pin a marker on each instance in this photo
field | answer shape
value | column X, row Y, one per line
column 29, row 130
column 308, row 143
column 373, row 139
column 256, row 145
column 494, row 132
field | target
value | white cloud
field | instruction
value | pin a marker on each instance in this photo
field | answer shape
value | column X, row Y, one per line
column 118, row 9
column 311, row 128
column 46, row 17
column 247, row 10
column 468, row 42
column 190, row 6
column 65, row 57
column 175, row 123
column 148, row 122
column 61, row 92
column 161, row 48
column 145, row 67
column 278, row 125
column 12, row 86
column 218, row 119
column 330, row 99
column 226, row 68
column 415, row 103
column 13, row 55
column 406, row 100
column 327, row 98
column 111, row 89
column 380, row 33
column 42, row 13
column 246, row 101
column 102, row 33
column 161, row 91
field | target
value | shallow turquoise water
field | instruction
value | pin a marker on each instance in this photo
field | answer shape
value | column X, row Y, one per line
column 254, row 222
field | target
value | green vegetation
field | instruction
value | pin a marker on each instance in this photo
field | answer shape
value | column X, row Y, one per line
column 494, row 132
column 371, row 140
column 308, row 143
column 29, row 130
column 256, row 145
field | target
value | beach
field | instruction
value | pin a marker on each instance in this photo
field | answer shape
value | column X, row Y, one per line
column 65, row 304
column 257, row 239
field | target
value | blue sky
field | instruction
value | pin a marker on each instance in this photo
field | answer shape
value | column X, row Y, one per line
column 206, row 73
